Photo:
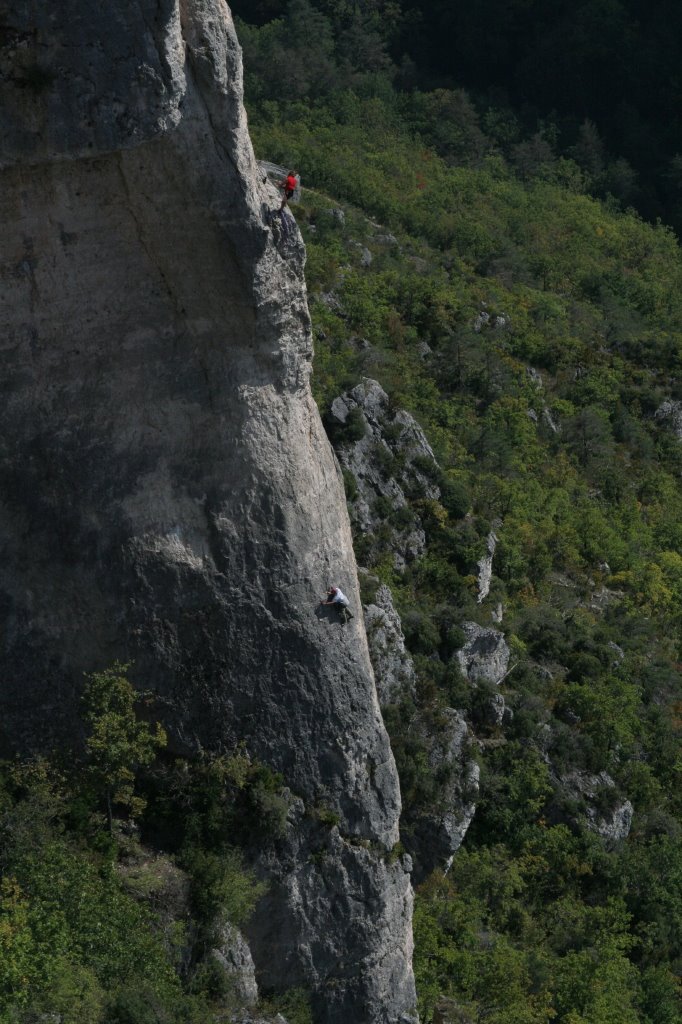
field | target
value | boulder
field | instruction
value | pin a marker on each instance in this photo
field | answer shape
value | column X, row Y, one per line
column 485, row 654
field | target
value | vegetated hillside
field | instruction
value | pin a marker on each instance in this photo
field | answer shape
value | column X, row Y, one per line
column 595, row 81
column 97, row 925
column 536, row 335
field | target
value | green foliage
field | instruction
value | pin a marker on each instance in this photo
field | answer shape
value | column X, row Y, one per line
column 221, row 887
column 69, row 933
column 350, row 485
column 325, row 815
column 216, row 801
column 576, row 969
column 93, row 931
column 117, row 743
column 293, row 1004
column 18, row 966
column 352, row 430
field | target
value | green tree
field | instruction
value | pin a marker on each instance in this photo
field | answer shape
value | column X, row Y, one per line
column 18, row 959
column 118, row 744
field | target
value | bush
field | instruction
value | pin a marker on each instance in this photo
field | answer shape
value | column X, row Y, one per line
column 350, row 485
column 221, row 886
column 138, row 1004
column 421, row 634
column 295, row 1005
column 354, row 428
column 455, row 497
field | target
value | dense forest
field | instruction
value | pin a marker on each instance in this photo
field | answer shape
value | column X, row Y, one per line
column 595, row 80
column 481, row 187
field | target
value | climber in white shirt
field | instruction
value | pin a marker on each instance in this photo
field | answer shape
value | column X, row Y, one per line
column 336, row 597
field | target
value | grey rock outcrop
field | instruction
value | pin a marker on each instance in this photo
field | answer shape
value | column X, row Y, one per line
column 535, row 377
column 549, row 420
column 168, row 496
column 393, row 668
column 484, row 319
column 321, row 875
column 383, row 463
column 485, row 567
column 670, row 413
column 484, row 657
column 496, row 712
column 618, row 653
column 604, row 812
column 234, row 956
column 614, row 824
column 433, row 835
column 602, row 597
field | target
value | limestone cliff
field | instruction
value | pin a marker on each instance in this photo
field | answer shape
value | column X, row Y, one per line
column 167, row 494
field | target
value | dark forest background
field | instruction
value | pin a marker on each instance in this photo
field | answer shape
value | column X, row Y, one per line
column 596, row 80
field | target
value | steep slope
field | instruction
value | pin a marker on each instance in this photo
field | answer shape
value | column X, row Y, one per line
column 168, row 496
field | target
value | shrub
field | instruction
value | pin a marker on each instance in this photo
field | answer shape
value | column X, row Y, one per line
column 350, row 485
column 353, row 429
column 222, row 887
column 455, row 497
column 421, row 634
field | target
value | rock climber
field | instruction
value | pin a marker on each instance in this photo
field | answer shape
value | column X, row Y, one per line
column 289, row 185
column 336, row 597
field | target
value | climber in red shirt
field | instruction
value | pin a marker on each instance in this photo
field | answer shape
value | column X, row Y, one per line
column 290, row 184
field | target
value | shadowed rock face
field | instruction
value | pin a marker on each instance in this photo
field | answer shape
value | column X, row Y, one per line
column 167, row 494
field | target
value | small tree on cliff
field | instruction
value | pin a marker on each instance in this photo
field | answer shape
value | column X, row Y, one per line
column 117, row 744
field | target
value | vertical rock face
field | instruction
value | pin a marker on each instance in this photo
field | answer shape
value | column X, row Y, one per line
column 167, row 493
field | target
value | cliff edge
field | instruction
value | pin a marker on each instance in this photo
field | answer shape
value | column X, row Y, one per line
column 167, row 494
